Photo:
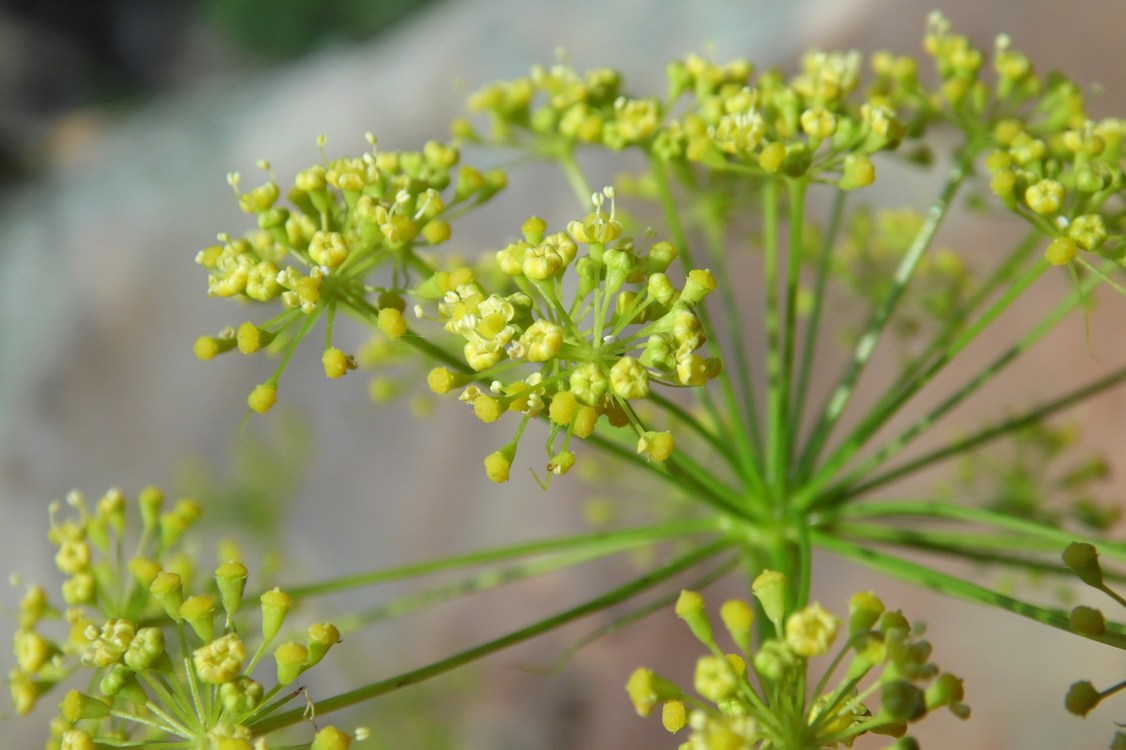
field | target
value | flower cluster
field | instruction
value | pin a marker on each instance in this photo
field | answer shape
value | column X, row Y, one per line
column 755, row 696
column 767, row 126
column 1052, row 164
column 560, row 106
column 593, row 323
column 158, row 664
column 347, row 218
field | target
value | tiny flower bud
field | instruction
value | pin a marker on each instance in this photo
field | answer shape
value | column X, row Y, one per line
column 77, row 706
column 656, row 446
column 715, row 679
column 811, row 631
column 32, row 650
column 1083, row 559
column 145, row 650
column 1061, row 251
column 168, row 589
column 629, row 379
column 858, row 172
column 673, row 716
column 1081, row 698
column 230, row 577
column 586, row 419
column 199, row 611
column 440, row 380
column 561, row 463
column 391, row 322
column 771, row 591
column 262, row 398
column 275, row 605
column 946, row 690
column 240, row 695
column 336, row 363
column 864, row 610
column 81, row 588
column 150, row 499
column 690, row 608
column 699, row 284
column 328, row 249
column 208, row 347
column 319, row 638
column 486, row 408
column 661, row 255
column 221, row 660
column 144, row 570
column 589, row 384
column 901, row 701
column 1087, row 621
column 1045, row 196
column 563, row 407
column 77, row 739
column 330, row 738
column 738, row 616
column 120, row 681
column 499, row 463
column 290, row 658
column 646, row 689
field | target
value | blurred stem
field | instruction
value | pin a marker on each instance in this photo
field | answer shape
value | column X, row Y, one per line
column 610, row 540
column 949, row 585
column 976, row 440
column 416, row 676
column 919, row 509
column 813, row 323
column 866, row 344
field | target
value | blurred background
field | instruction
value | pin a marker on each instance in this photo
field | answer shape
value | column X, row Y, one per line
column 119, row 120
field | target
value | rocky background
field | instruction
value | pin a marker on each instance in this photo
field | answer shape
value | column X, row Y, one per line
column 118, row 123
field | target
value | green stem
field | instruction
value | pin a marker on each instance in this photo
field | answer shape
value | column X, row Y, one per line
column 1003, row 275
column 789, row 327
column 483, row 581
column 664, row 603
column 866, row 345
column 746, row 428
column 990, row 549
column 575, row 177
column 696, row 425
column 775, row 387
column 974, row 441
column 849, row 448
column 682, row 471
column 914, row 508
column 617, row 540
column 741, row 433
column 416, row 676
column 921, row 575
column 813, row 324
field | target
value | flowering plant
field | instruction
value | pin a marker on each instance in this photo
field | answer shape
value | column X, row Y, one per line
column 634, row 346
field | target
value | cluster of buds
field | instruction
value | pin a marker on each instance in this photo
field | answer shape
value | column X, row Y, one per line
column 347, row 219
column 1082, row 697
column 1060, row 174
column 574, row 357
column 1052, row 164
column 808, row 126
column 556, row 108
column 155, row 663
column 747, row 697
